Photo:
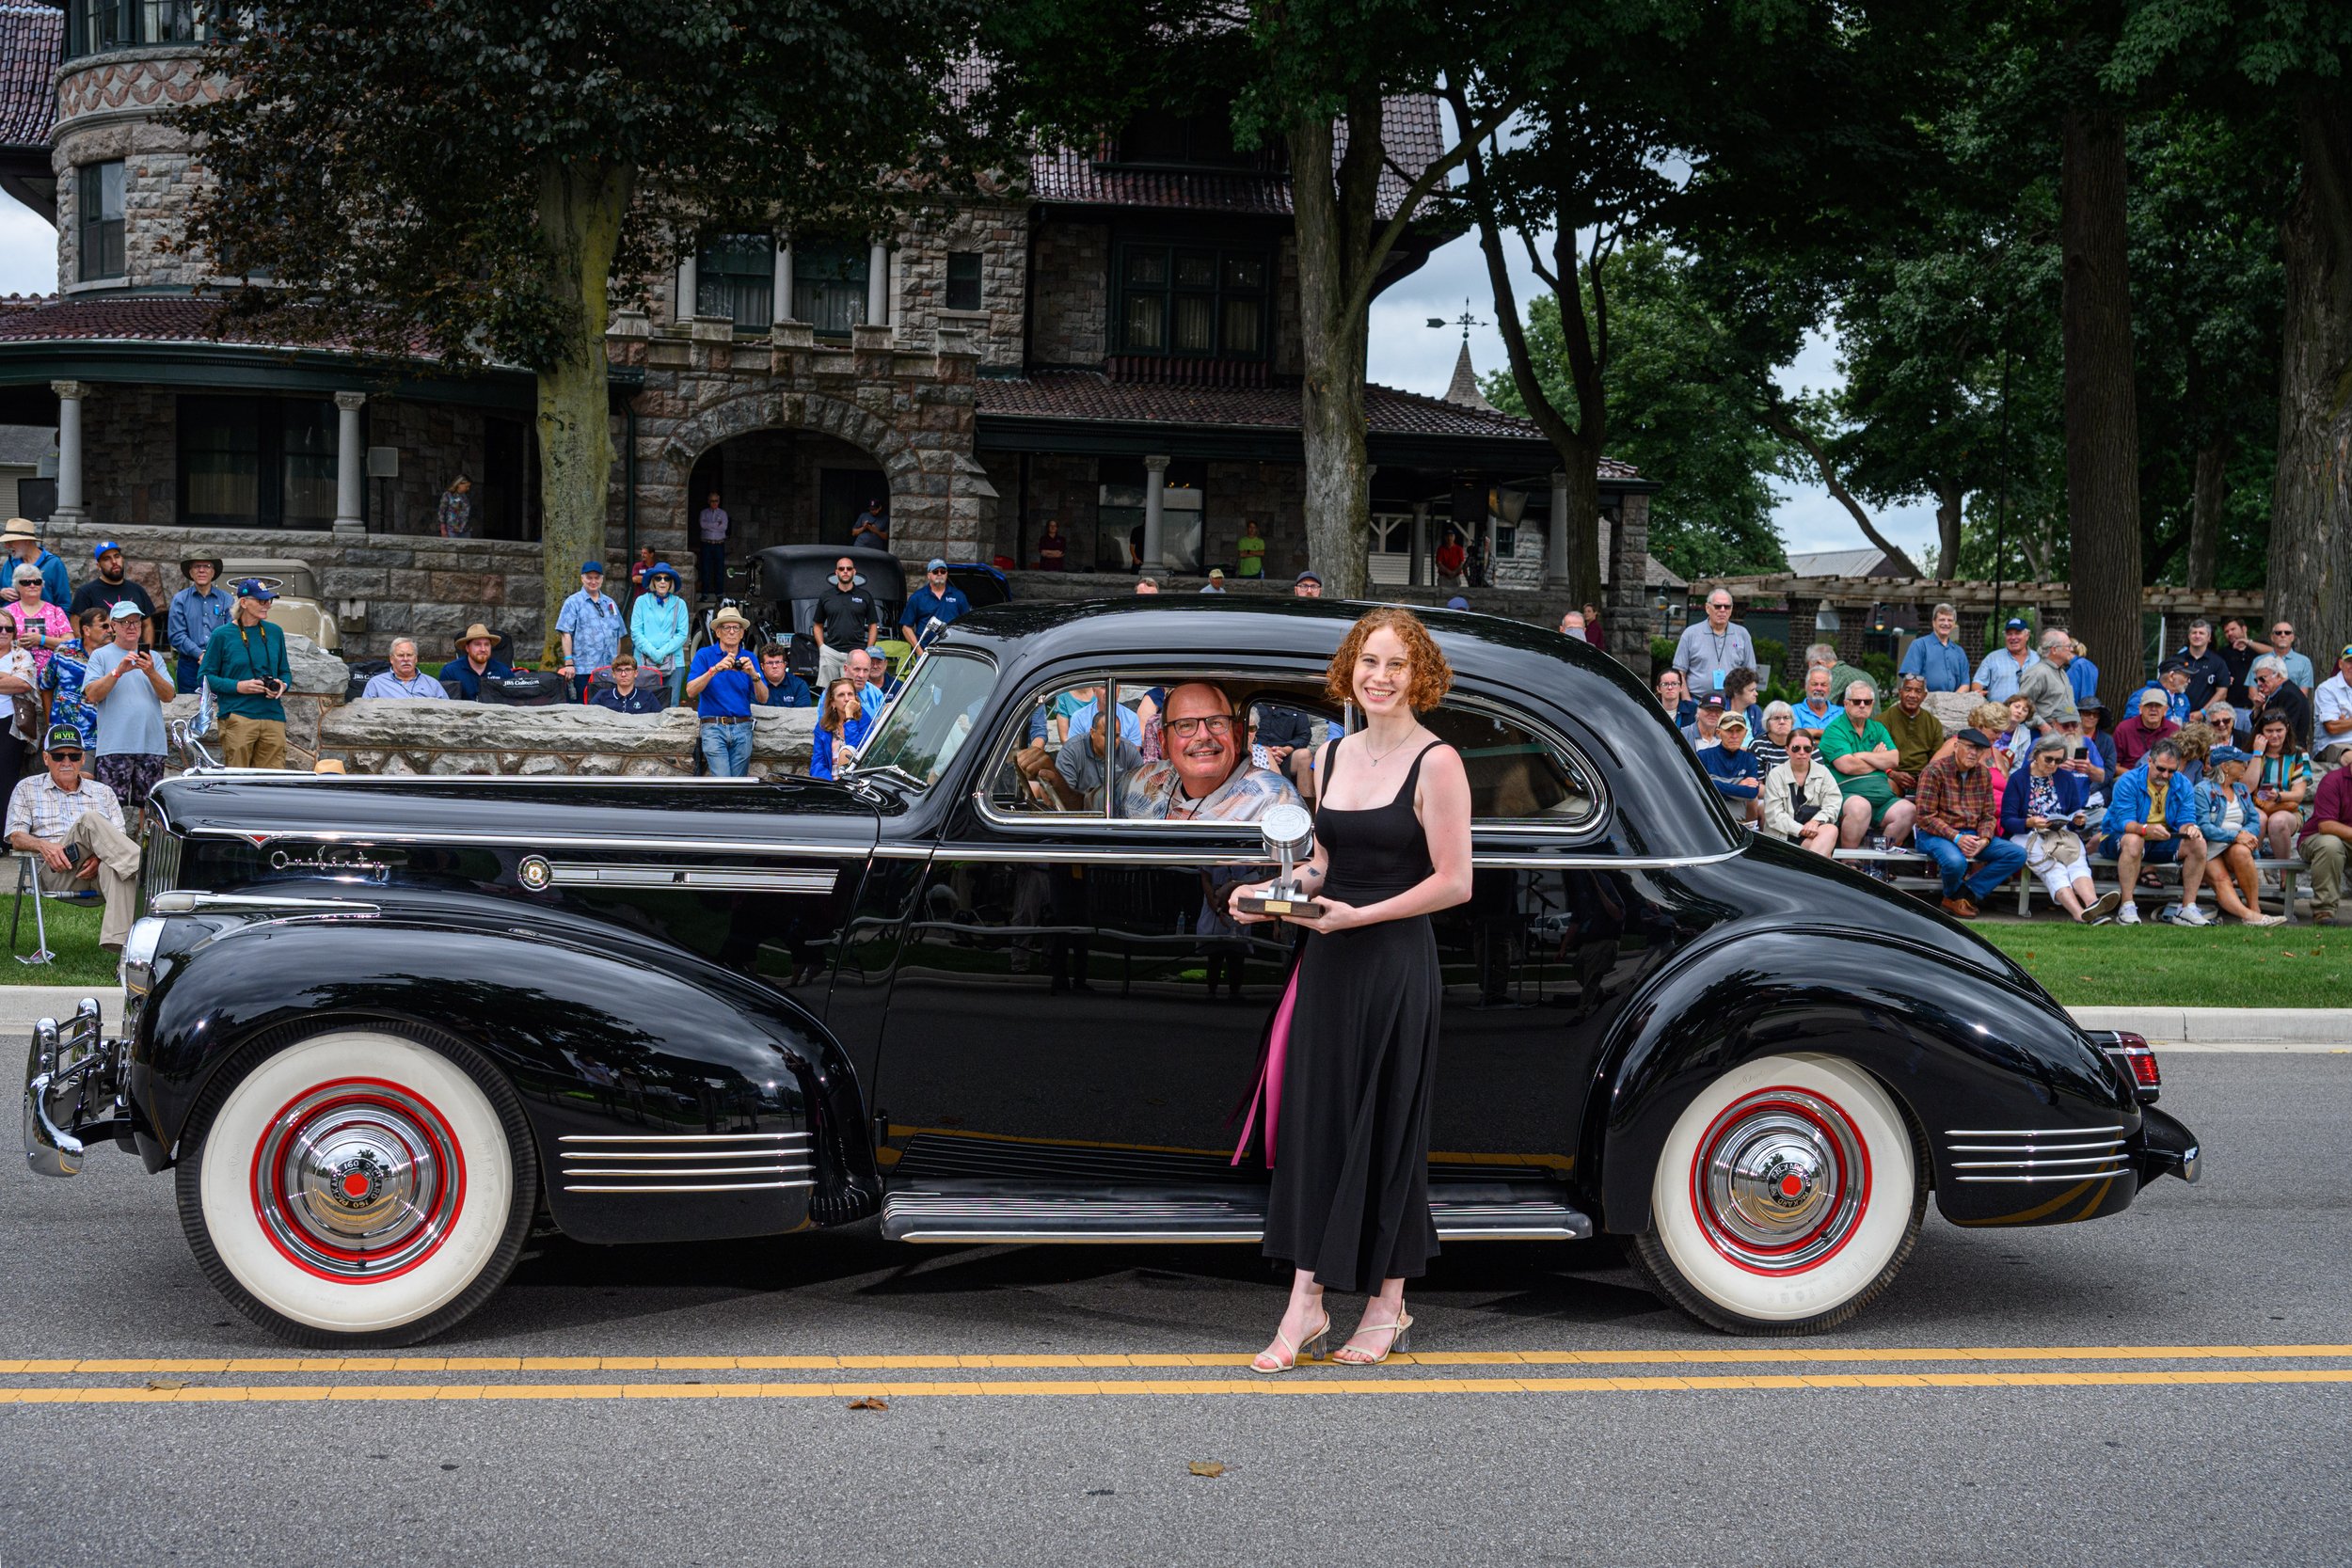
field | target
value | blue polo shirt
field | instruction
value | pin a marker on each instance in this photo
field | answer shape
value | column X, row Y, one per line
column 791, row 692
column 1943, row 665
column 729, row 693
column 924, row 606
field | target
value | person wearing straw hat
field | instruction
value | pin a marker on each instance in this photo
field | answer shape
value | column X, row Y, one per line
column 724, row 682
column 195, row 613
column 477, row 660
column 24, row 542
column 246, row 670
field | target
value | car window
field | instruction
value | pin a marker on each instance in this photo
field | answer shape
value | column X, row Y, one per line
column 1063, row 753
column 1517, row 775
column 931, row 718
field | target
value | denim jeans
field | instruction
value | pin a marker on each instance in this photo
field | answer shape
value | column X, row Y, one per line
column 728, row 750
column 1996, row 863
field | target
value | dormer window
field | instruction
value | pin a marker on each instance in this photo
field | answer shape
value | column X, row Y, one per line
column 99, row 210
column 1157, row 138
column 1181, row 300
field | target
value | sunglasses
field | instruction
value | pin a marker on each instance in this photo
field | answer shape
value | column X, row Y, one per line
column 1862, row 702
column 64, row 756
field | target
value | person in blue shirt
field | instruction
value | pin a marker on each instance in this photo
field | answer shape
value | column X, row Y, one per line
column 840, row 730
column 937, row 600
column 2082, row 676
column 1997, row 676
column 2151, row 819
column 2172, row 683
column 785, row 689
column 24, row 544
column 2233, row 825
column 589, row 626
column 1733, row 768
column 866, row 667
column 1817, row 710
column 724, row 683
column 628, row 694
column 477, row 660
column 658, row 630
column 196, row 612
column 1938, row 658
column 2298, row 665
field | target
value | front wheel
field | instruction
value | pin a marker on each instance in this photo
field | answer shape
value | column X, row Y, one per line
column 357, row 1187
column 1787, row 1198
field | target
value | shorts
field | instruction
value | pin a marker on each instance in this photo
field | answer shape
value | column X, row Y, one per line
column 132, row 775
column 2154, row 851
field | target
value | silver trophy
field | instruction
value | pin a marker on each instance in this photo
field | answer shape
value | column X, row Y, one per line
column 1289, row 833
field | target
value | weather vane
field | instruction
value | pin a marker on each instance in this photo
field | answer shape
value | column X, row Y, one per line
column 1464, row 321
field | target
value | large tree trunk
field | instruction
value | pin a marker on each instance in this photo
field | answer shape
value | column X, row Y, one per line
column 580, row 208
column 1334, row 232
column 2205, row 495
column 2102, row 424
column 1949, row 498
column 2310, row 511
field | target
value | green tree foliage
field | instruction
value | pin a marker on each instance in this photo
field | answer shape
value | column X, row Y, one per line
column 1676, row 412
column 468, row 178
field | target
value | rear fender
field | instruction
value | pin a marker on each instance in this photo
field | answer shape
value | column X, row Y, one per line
column 598, row 1042
column 1954, row 1047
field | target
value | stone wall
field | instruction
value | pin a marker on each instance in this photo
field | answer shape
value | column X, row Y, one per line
column 375, row 736
column 108, row 107
column 1070, row 321
column 129, row 458
column 1000, row 234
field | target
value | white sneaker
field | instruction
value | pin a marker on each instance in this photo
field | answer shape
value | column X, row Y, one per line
column 2266, row 920
column 2189, row 914
column 2128, row 914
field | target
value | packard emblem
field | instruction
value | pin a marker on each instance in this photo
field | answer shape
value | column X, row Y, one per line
column 343, row 864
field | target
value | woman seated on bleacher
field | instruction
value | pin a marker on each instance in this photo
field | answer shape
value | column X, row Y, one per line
column 2281, row 777
column 2227, row 816
column 2041, row 809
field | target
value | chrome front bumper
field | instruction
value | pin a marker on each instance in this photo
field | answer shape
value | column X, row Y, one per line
column 73, row 1090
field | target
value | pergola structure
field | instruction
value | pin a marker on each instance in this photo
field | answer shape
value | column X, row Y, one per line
column 1908, row 603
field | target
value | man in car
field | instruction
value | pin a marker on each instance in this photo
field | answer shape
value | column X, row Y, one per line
column 847, row 618
column 1083, row 764
column 1206, row 773
column 937, row 600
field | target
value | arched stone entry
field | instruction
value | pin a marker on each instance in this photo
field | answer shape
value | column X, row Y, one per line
column 788, row 487
column 911, row 414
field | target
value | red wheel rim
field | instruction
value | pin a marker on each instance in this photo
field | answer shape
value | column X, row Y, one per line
column 1781, row 1181
column 357, row 1180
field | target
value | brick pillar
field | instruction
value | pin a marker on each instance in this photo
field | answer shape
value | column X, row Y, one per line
column 1625, row 603
column 1975, row 636
column 1801, row 637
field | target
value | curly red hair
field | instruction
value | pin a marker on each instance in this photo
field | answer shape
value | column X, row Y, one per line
column 1433, row 677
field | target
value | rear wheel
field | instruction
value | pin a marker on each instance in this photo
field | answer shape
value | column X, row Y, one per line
column 357, row 1187
column 1787, row 1198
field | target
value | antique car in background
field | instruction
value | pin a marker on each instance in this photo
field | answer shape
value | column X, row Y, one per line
column 379, row 1028
column 297, row 608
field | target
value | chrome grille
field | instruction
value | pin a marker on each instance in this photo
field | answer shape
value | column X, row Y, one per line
column 685, row 1162
column 163, row 862
column 2039, row 1155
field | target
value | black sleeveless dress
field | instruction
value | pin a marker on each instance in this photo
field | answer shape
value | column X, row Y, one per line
column 1350, row 1200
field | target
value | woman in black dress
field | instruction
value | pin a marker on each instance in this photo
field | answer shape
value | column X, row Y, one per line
column 1354, row 1051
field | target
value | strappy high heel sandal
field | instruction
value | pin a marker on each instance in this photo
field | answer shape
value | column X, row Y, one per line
column 1312, row 1349
column 1400, row 1334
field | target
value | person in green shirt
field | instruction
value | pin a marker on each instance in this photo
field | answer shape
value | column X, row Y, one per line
column 246, row 670
column 1251, row 550
column 1860, row 751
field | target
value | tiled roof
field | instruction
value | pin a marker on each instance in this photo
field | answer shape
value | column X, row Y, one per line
column 144, row 318
column 1085, row 395
column 31, row 42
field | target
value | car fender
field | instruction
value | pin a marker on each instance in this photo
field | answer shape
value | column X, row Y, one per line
column 601, row 1040
column 1957, row 1049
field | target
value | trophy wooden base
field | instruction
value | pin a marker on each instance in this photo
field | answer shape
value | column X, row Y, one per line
column 1303, row 908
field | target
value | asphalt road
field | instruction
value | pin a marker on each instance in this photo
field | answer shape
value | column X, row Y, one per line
column 2079, row 1457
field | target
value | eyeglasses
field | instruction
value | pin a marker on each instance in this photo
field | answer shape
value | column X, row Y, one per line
column 1216, row 723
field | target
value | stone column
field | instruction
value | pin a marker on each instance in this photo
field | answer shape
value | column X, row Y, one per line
column 351, row 514
column 878, row 286
column 1556, row 536
column 1155, row 512
column 1417, row 572
column 783, row 308
column 71, row 508
column 1626, row 601
column 689, row 287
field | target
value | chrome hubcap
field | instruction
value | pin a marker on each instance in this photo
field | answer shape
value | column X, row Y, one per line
column 358, row 1181
column 1781, row 1181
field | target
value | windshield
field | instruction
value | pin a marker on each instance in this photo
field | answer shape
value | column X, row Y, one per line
column 931, row 718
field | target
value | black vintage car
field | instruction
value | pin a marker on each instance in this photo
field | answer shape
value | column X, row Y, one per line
column 380, row 1028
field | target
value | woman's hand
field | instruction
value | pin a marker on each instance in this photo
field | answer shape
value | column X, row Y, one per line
column 1235, row 894
column 1336, row 916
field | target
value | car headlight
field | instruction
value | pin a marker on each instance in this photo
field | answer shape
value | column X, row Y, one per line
column 138, row 969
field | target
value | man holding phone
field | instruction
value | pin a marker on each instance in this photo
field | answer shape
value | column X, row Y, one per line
column 128, row 688
column 246, row 670
column 724, row 682
column 75, row 826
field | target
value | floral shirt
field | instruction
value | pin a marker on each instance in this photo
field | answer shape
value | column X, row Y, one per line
column 55, row 629
column 456, row 515
column 1151, row 793
column 63, row 676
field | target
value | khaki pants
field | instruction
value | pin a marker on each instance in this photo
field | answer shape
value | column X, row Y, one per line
column 831, row 663
column 118, row 874
column 2325, row 854
column 252, row 742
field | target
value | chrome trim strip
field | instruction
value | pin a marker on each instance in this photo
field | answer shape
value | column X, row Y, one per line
column 2106, row 1159
column 2031, row 1131
column 672, row 1137
column 2075, row 1176
column 712, row 1187
column 741, row 880
column 1209, row 854
column 178, row 902
column 694, row 1170
column 548, row 841
column 1080, row 1238
column 2028, row 1148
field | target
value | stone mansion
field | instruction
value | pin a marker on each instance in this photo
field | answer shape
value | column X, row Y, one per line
column 1121, row 339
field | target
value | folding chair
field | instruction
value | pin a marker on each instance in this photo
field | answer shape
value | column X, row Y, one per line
column 28, row 876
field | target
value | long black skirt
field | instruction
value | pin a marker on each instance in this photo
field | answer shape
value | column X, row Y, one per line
column 1350, row 1199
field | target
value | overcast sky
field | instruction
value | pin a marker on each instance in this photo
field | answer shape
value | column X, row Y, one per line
column 1405, row 353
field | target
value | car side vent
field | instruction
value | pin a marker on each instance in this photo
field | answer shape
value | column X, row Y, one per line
column 684, row 1163
column 163, row 865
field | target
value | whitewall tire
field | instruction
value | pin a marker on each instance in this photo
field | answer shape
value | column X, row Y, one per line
column 1786, row 1198
column 357, row 1186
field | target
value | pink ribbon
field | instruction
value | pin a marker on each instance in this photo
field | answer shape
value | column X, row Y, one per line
column 1269, row 1091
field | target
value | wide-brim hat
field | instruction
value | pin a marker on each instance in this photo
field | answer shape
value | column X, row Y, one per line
column 729, row 616
column 20, row 528
column 213, row 561
column 476, row 629
column 662, row 569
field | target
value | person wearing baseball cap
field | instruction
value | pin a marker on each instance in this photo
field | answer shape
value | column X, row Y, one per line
column 2149, row 723
column 126, row 688
column 110, row 587
column 932, row 608
column 1307, row 585
column 1958, row 827
column 1216, row 582
column 2331, row 713
column 2233, row 825
column 590, row 625
column 74, row 825
column 246, row 670
column 1997, row 678
column 23, row 541
column 194, row 614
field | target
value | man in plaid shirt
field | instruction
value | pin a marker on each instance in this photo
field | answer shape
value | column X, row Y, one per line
column 1957, row 825
column 75, row 826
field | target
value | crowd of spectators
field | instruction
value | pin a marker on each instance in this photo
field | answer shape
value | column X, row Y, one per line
column 2232, row 755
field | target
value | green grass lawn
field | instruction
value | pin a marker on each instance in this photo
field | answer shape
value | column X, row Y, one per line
column 2171, row 966
column 73, row 936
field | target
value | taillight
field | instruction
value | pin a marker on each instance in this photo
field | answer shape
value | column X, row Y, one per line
column 2133, row 1053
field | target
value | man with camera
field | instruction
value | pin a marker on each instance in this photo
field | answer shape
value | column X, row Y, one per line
column 245, row 669
column 75, row 826
column 724, row 683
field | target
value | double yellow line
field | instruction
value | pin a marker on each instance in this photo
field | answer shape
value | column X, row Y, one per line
column 1987, row 1369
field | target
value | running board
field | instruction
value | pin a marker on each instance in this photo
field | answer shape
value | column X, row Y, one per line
column 967, row 1213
